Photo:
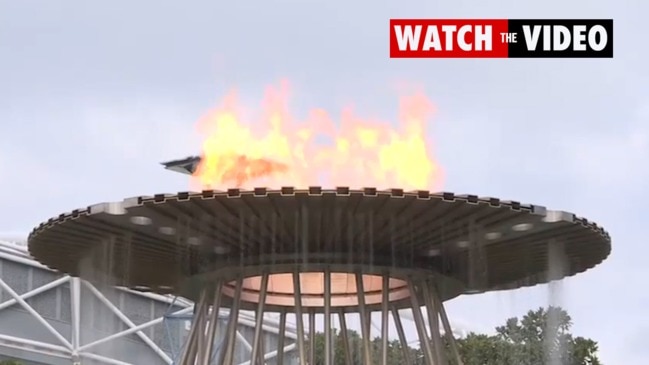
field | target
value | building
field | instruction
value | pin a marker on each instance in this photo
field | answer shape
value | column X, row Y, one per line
column 51, row 319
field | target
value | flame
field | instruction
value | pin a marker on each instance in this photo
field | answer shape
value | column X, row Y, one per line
column 274, row 149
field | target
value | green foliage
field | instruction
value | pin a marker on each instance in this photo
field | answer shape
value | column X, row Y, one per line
column 478, row 349
column 10, row 362
column 540, row 337
column 395, row 352
column 543, row 337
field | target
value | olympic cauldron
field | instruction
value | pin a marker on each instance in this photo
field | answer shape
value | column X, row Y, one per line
column 319, row 252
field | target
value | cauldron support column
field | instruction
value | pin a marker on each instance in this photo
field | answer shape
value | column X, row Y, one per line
column 281, row 337
column 299, row 320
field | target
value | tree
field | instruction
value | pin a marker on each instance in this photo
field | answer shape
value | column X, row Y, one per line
column 541, row 337
column 395, row 351
column 480, row 349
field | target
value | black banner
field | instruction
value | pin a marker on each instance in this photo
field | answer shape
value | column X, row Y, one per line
column 560, row 38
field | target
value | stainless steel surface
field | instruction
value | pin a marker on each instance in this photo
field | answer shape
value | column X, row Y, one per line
column 316, row 252
column 312, row 334
column 421, row 327
column 345, row 336
column 193, row 234
column 260, row 317
column 281, row 337
column 402, row 336
column 228, row 354
column 299, row 318
column 365, row 327
column 327, row 318
column 384, row 320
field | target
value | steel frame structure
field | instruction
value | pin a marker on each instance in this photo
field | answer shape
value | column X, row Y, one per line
column 76, row 350
column 199, row 349
column 223, row 248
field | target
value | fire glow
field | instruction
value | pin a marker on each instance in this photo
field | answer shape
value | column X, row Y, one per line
column 274, row 149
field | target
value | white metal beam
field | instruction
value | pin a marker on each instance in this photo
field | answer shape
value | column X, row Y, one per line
column 34, row 292
column 23, row 260
column 131, row 330
column 181, row 302
column 51, row 350
column 243, row 340
column 19, row 254
column 267, row 328
column 103, row 359
column 74, row 349
column 128, row 322
column 35, row 314
column 75, row 314
column 34, row 346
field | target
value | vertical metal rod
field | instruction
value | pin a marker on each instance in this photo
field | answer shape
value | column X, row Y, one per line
column 424, row 343
column 228, row 354
column 344, row 334
column 312, row 333
column 447, row 327
column 402, row 336
column 360, row 290
column 259, row 319
column 299, row 320
column 75, row 302
column 189, row 342
column 191, row 357
column 262, row 351
column 214, row 320
column 203, row 339
column 327, row 318
column 280, row 339
column 384, row 319
column 193, row 332
column 200, row 336
column 368, row 323
column 200, row 349
column 433, row 321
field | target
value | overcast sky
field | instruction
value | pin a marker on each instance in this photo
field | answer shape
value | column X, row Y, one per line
column 93, row 94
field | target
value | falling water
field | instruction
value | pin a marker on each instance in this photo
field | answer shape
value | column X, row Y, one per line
column 97, row 268
column 555, row 347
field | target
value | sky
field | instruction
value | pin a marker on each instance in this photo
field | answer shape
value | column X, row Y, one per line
column 94, row 94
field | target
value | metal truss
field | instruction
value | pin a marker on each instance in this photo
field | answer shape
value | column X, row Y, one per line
column 75, row 349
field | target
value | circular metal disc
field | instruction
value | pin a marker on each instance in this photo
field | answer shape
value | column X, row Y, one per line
column 179, row 243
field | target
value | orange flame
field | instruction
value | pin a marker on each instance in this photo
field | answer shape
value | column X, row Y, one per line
column 277, row 150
